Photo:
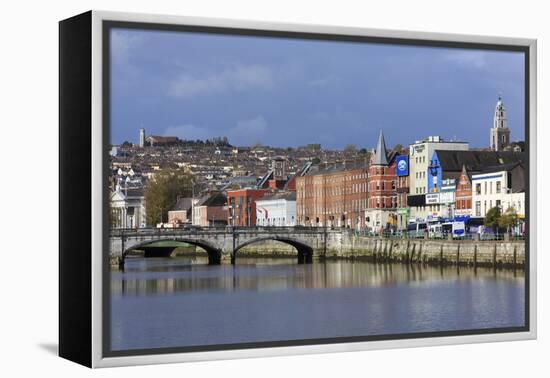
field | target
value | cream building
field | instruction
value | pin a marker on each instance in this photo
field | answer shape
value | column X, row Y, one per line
column 498, row 189
column 420, row 154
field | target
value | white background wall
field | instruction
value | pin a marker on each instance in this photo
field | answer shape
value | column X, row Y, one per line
column 28, row 83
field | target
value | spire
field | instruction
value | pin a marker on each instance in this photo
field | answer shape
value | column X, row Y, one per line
column 499, row 119
column 380, row 155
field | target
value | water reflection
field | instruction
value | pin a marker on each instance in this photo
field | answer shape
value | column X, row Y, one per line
column 168, row 276
column 179, row 302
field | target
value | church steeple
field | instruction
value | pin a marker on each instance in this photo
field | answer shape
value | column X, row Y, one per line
column 380, row 155
column 500, row 133
column 499, row 119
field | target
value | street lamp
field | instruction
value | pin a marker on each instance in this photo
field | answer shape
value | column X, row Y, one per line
column 192, row 201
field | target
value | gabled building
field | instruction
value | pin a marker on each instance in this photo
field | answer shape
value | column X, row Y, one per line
column 181, row 212
column 127, row 208
column 381, row 212
column 463, row 194
column 211, row 210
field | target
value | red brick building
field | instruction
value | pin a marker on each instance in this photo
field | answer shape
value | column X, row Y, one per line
column 332, row 196
column 463, row 195
column 382, row 189
column 241, row 205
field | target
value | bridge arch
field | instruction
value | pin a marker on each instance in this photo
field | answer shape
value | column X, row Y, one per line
column 214, row 254
column 305, row 252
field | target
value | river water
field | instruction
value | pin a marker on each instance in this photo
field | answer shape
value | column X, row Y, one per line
column 181, row 302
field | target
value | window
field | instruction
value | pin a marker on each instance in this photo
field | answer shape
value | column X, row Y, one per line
column 485, row 187
column 478, row 188
column 498, row 187
column 478, row 208
column 491, row 187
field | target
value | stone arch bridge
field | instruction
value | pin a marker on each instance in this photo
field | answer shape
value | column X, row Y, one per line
column 223, row 244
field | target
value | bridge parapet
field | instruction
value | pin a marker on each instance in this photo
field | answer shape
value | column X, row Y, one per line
column 224, row 242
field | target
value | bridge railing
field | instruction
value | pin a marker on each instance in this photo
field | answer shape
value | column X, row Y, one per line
column 214, row 229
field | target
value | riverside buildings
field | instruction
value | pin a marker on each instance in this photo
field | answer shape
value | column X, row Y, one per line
column 333, row 196
column 211, row 210
column 241, row 205
column 429, row 181
column 127, row 207
column 420, row 154
column 382, row 189
column 277, row 210
column 499, row 186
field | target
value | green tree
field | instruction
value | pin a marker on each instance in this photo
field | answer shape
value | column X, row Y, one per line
column 162, row 193
column 398, row 147
column 350, row 148
column 315, row 160
column 492, row 217
column 508, row 219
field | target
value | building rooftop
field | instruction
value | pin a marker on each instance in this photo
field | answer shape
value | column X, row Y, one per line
column 380, row 154
column 183, row 204
column 336, row 167
column 289, row 196
column 213, row 199
column 476, row 160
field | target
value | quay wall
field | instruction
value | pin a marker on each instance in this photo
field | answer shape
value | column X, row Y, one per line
column 433, row 252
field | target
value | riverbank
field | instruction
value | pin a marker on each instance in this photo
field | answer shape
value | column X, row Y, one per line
column 505, row 254
column 495, row 254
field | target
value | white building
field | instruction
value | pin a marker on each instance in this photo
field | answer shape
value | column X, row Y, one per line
column 276, row 210
column 504, row 188
column 420, row 154
column 127, row 208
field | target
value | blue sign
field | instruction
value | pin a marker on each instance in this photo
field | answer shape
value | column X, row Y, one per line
column 402, row 166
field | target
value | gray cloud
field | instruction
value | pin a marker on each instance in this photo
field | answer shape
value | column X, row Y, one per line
column 122, row 45
column 472, row 58
column 234, row 79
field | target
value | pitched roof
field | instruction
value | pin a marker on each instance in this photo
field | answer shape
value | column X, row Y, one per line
column 476, row 161
column 503, row 167
column 213, row 199
column 336, row 167
column 183, row 204
column 289, row 196
column 380, row 155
